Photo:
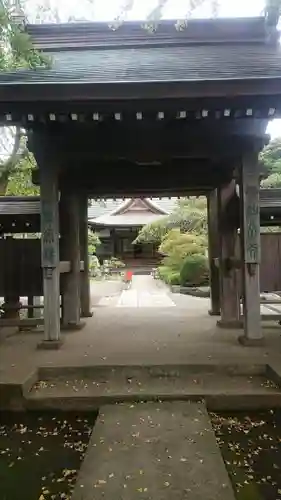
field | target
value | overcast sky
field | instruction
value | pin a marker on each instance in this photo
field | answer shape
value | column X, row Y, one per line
column 107, row 10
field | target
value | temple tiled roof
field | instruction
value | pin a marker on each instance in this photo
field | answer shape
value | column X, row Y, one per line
column 126, row 220
column 100, row 208
column 204, row 50
column 156, row 64
column 102, row 214
column 17, row 205
column 270, row 200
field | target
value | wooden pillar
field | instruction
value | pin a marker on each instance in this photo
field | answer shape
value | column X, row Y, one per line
column 50, row 254
column 34, row 310
column 11, row 306
column 114, row 242
column 30, row 311
column 251, row 249
column 229, row 286
column 85, row 292
column 70, row 251
column 37, row 311
column 213, row 251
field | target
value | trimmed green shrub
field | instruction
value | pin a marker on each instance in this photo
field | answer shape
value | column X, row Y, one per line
column 178, row 248
column 169, row 276
column 194, row 270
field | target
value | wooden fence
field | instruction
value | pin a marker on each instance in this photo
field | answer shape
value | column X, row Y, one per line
column 270, row 273
column 21, row 272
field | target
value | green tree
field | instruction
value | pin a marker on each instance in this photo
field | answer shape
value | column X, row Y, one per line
column 183, row 254
column 271, row 164
column 177, row 245
column 271, row 157
column 190, row 215
column 272, row 181
column 93, row 241
column 20, row 179
column 16, row 51
column 182, row 237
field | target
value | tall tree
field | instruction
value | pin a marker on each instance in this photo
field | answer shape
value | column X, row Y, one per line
column 16, row 51
column 271, row 157
column 189, row 215
column 20, row 179
column 271, row 164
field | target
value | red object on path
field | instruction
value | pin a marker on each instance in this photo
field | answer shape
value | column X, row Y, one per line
column 128, row 276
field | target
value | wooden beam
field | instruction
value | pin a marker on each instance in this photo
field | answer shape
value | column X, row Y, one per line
column 181, row 109
column 32, row 93
column 150, row 141
column 126, row 178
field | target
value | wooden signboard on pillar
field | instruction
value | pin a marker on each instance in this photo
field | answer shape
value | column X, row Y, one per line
column 251, row 219
column 251, row 248
column 50, row 254
column 49, row 250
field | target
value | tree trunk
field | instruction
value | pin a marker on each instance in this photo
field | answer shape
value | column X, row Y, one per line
column 4, row 180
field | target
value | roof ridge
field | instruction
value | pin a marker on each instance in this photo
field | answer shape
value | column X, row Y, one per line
column 132, row 34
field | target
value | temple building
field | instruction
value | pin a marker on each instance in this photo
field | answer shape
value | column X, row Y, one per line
column 118, row 223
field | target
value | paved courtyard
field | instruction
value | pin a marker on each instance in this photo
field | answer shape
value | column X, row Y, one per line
column 145, row 292
column 176, row 330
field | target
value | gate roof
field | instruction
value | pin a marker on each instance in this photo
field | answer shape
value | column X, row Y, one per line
column 106, row 63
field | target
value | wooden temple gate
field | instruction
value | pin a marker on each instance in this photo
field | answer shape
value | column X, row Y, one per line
column 184, row 112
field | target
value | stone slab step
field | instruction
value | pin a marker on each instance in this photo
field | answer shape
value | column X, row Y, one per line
column 103, row 372
column 219, row 389
column 153, row 451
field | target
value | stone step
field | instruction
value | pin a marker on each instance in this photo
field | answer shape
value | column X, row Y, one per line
column 153, row 451
column 104, row 372
column 221, row 389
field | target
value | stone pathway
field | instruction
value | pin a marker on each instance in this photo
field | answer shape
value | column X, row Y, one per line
column 144, row 292
column 135, row 298
column 153, row 451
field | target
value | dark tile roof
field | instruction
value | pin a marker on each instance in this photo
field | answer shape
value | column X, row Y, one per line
column 132, row 33
column 10, row 205
column 99, row 209
column 270, row 198
column 13, row 205
column 203, row 50
column 187, row 63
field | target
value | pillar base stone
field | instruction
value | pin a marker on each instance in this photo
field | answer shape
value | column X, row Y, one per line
column 73, row 326
column 230, row 325
column 87, row 314
column 50, row 345
column 246, row 342
column 213, row 313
